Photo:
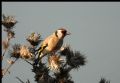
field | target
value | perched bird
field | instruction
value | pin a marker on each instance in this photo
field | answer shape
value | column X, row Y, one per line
column 52, row 43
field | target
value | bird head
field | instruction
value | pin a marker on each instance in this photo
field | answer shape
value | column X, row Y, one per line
column 61, row 33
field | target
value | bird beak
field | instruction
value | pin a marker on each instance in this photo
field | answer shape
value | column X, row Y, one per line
column 68, row 33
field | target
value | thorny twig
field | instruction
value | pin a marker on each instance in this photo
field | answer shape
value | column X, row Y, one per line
column 6, row 70
column 8, row 40
column 20, row 80
column 27, row 61
column 4, row 52
column 28, row 81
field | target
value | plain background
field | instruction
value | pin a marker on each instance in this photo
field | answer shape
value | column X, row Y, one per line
column 95, row 28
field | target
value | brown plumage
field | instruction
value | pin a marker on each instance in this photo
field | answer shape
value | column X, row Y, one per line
column 53, row 42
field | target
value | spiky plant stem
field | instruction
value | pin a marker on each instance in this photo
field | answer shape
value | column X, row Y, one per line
column 6, row 70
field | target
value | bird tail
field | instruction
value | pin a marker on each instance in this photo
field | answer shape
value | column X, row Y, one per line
column 40, row 54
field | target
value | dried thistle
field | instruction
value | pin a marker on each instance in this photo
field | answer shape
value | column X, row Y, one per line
column 5, row 44
column 10, row 61
column 4, row 72
column 15, row 52
column 54, row 62
column 103, row 80
column 34, row 39
column 63, row 76
column 8, row 22
column 65, row 50
column 11, row 34
column 41, row 72
column 74, row 59
column 25, row 53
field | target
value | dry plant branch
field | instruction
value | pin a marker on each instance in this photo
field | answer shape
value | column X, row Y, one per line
column 20, row 80
column 6, row 70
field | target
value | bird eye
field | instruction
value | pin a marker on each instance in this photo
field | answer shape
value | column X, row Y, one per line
column 64, row 32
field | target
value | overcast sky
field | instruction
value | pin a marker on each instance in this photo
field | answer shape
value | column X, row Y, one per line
column 95, row 28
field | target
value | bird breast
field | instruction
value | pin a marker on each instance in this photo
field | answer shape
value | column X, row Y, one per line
column 54, row 43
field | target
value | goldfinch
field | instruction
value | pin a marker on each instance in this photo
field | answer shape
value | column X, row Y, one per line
column 52, row 43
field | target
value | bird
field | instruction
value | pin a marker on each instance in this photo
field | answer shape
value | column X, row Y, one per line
column 52, row 43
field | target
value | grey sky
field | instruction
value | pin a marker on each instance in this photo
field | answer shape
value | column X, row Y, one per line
column 95, row 28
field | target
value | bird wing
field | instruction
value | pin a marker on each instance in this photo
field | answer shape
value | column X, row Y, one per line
column 52, row 42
